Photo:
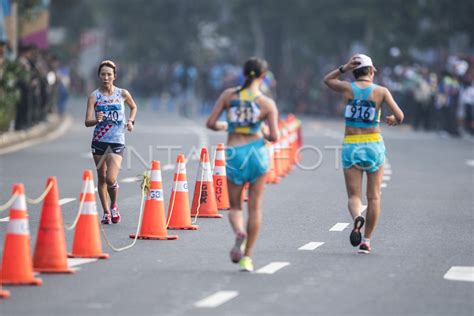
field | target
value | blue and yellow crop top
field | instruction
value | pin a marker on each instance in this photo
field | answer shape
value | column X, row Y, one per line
column 243, row 114
column 362, row 112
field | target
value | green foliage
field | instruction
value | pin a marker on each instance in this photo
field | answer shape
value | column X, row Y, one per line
column 9, row 93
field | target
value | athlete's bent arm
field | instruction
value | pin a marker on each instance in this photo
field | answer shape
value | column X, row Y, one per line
column 133, row 109
column 91, row 119
column 332, row 78
column 217, row 110
column 398, row 116
column 272, row 122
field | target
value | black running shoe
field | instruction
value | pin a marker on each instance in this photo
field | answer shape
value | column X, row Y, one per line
column 356, row 236
column 364, row 248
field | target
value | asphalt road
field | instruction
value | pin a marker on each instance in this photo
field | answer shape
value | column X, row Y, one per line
column 426, row 228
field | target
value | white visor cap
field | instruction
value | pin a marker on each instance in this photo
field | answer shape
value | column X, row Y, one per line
column 365, row 61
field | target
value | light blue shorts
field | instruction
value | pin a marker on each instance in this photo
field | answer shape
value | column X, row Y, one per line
column 367, row 156
column 246, row 163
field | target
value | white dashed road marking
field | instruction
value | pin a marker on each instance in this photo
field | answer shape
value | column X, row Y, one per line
column 384, row 185
column 66, row 200
column 216, row 299
column 74, row 262
column 5, row 219
column 339, row 227
column 168, row 167
column 272, row 267
column 386, row 178
column 470, row 163
column 460, row 274
column 311, row 245
column 387, row 172
column 130, row 180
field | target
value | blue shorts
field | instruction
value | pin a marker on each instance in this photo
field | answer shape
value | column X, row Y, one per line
column 246, row 163
column 366, row 152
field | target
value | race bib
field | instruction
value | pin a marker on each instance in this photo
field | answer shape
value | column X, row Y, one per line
column 112, row 113
column 360, row 111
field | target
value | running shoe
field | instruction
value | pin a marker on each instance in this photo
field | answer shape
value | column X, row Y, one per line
column 364, row 248
column 106, row 219
column 246, row 264
column 356, row 236
column 237, row 251
column 116, row 216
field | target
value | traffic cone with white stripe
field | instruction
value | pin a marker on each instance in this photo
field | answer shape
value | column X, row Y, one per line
column 17, row 264
column 50, row 251
column 153, row 223
column 271, row 176
column 204, row 200
column 179, row 213
column 87, row 242
column 220, row 179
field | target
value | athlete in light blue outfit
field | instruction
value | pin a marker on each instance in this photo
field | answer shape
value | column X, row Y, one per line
column 363, row 148
column 246, row 155
column 106, row 111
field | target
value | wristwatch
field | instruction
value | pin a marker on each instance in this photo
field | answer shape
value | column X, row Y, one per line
column 341, row 69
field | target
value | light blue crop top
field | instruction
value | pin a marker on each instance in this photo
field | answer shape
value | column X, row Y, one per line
column 362, row 112
column 243, row 114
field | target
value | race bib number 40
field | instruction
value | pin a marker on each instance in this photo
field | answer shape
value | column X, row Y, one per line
column 360, row 111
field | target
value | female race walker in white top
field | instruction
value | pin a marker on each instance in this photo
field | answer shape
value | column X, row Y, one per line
column 106, row 111
column 363, row 148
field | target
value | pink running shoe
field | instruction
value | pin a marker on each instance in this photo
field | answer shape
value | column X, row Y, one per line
column 116, row 216
column 236, row 252
column 106, row 220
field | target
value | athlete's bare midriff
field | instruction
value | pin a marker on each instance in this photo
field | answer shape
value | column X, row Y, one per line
column 236, row 139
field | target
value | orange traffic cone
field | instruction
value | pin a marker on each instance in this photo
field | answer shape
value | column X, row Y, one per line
column 87, row 242
column 220, row 179
column 271, row 174
column 179, row 213
column 153, row 222
column 50, row 251
column 17, row 265
column 204, row 199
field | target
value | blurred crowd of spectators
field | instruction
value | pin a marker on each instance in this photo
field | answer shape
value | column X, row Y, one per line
column 32, row 85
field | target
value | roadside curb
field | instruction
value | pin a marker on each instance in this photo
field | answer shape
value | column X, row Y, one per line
column 52, row 128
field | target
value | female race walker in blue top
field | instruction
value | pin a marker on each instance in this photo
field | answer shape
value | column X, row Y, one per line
column 246, row 155
column 106, row 111
column 363, row 148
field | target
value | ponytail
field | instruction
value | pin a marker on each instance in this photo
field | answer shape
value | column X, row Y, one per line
column 253, row 68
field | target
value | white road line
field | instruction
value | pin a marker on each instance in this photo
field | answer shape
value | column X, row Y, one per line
column 387, row 172
column 311, row 245
column 5, row 219
column 74, row 262
column 130, row 180
column 216, row 299
column 364, row 208
column 339, row 227
column 168, row 167
column 460, row 274
column 386, row 178
column 87, row 155
column 384, row 185
column 66, row 200
column 470, row 163
column 272, row 267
